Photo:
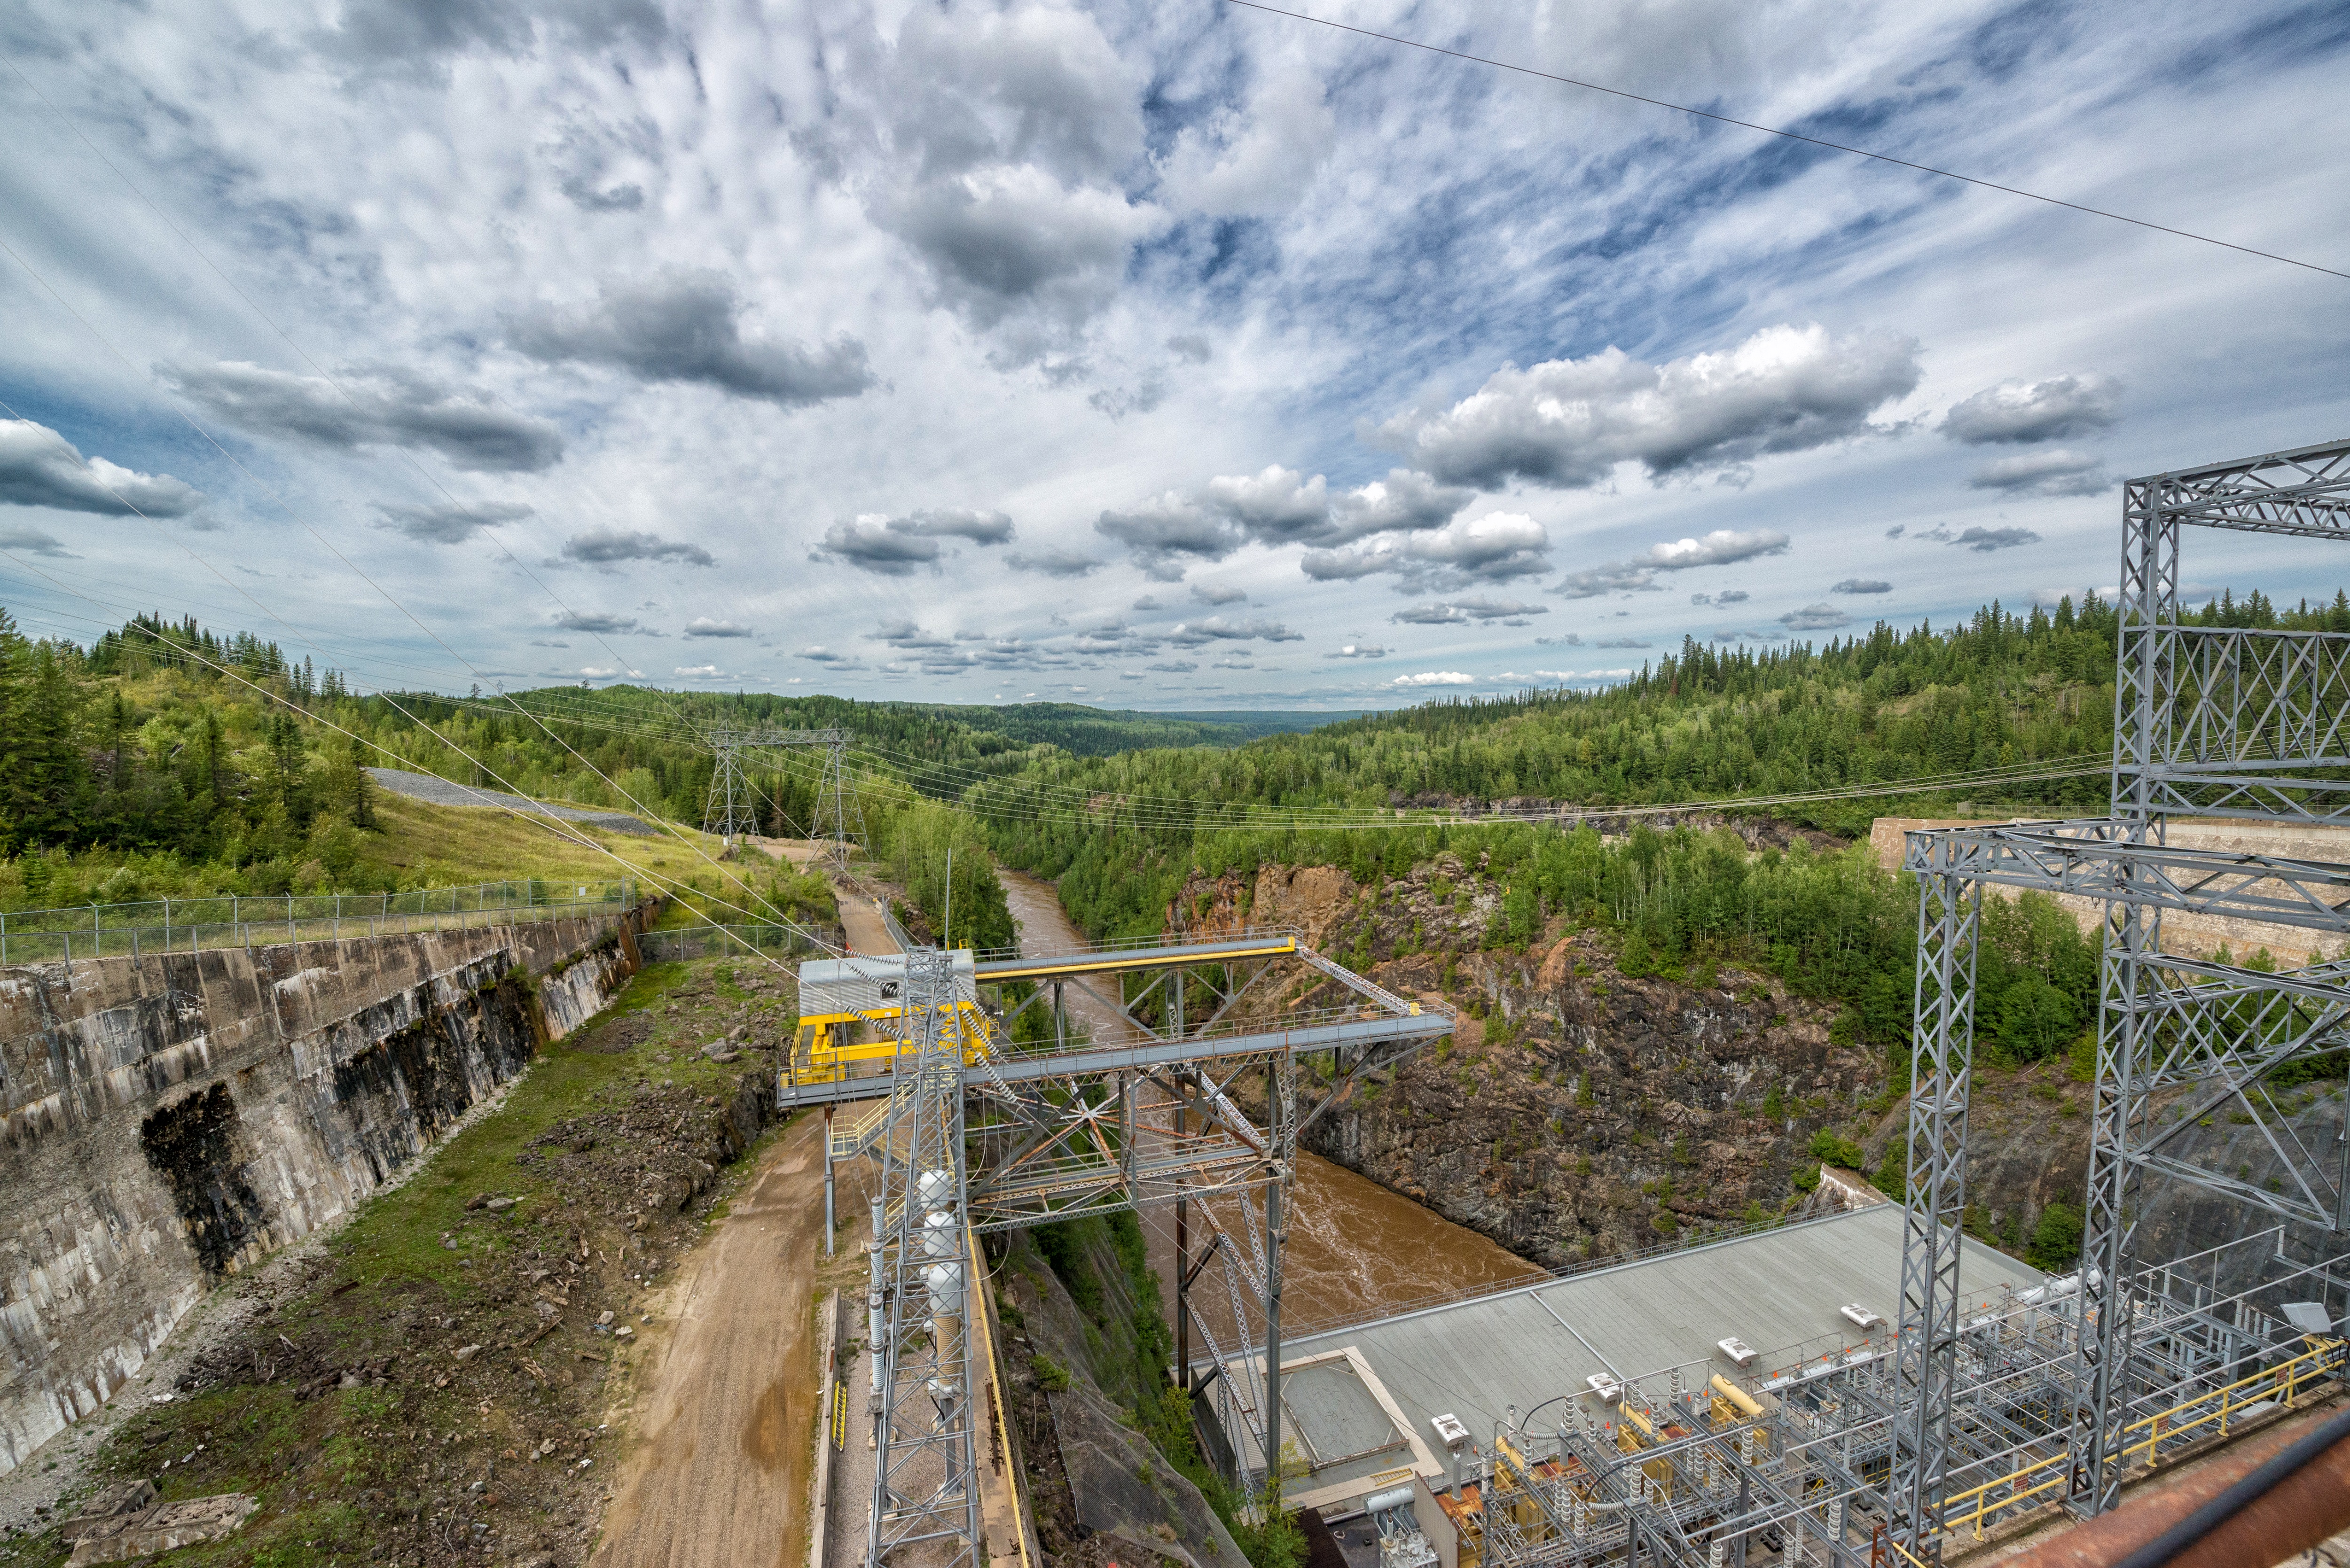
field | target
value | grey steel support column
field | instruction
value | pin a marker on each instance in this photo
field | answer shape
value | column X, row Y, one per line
column 1949, row 916
column 1182, row 1257
column 827, row 1181
column 1273, row 1238
column 2145, row 696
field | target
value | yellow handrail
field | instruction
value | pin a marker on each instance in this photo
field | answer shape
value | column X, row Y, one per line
column 995, row 1386
column 2286, row 1377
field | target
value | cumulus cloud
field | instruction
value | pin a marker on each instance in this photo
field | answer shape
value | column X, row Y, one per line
column 1010, row 129
column 609, row 546
column 1466, row 612
column 703, row 625
column 1175, row 666
column 817, row 653
column 1435, row 678
column 1983, row 540
column 38, row 467
column 1167, row 533
column 34, row 542
column 446, row 523
column 697, row 672
column 1814, row 617
column 1282, row 506
column 1731, row 597
column 1219, row 593
column 2057, row 409
column 1052, row 561
column 1358, row 650
column 372, row 407
column 1494, row 548
column 1862, row 585
column 1569, row 422
column 1257, row 164
column 686, row 328
column 1722, row 547
column 1619, row 642
column 595, row 621
column 903, row 633
column 1564, row 640
column 897, row 546
column 378, row 34
column 2058, row 472
column 1216, row 628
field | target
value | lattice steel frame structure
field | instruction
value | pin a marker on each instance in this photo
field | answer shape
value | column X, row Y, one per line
column 732, row 809
column 2210, row 722
column 977, row 1134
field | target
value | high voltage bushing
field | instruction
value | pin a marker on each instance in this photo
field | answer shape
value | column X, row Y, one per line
column 2209, row 722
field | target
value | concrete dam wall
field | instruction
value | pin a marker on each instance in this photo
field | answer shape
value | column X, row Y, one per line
column 167, row 1121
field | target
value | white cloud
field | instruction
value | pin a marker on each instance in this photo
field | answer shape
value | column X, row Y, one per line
column 1359, row 650
column 38, row 467
column 2057, row 471
column 1814, row 617
column 1435, row 678
column 1862, row 585
column 1722, row 547
column 703, row 626
column 379, row 407
column 1254, row 165
column 449, row 522
column 1466, row 612
column 1569, row 422
column 2017, row 411
column 1494, row 548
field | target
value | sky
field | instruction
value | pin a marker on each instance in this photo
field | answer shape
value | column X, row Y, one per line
column 1178, row 356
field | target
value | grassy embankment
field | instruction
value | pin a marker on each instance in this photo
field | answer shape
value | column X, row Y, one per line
column 349, row 1405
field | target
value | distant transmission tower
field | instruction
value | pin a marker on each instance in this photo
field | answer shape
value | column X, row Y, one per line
column 732, row 809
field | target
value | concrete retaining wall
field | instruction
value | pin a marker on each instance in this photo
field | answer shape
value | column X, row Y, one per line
column 167, row 1121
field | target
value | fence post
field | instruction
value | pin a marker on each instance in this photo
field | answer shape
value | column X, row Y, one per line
column 96, row 941
column 167, row 925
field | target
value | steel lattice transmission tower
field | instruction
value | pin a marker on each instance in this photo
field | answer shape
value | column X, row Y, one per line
column 2209, row 722
column 732, row 808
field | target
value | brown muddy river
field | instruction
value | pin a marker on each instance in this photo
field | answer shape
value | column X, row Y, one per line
column 1356, row 1250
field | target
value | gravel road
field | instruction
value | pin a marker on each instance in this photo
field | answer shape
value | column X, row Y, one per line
column 441, row 792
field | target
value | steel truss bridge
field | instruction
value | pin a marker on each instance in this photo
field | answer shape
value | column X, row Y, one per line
column 989, row 1107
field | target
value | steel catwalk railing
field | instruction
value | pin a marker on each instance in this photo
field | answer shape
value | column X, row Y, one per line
column 2206, row 722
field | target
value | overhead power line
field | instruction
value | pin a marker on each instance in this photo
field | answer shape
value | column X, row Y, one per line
column 1788, row 135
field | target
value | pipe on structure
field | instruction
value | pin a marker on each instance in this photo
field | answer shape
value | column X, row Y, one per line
column 2283, row 1495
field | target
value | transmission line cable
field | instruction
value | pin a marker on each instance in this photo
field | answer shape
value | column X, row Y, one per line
column 1779, row 131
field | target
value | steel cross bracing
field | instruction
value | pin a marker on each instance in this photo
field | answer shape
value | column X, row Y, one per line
column 732, row 809
column 2208, row 721
column 978, row 1134
column 926, row 1476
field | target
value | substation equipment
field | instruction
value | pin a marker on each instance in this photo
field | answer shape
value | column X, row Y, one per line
column 730, row 809
column 1866, row 1447
column 983, row 1119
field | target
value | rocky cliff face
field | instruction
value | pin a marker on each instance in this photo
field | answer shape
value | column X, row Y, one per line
column 1581, row 1112
column 165, row 1121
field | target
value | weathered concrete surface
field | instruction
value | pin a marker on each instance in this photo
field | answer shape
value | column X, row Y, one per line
column 166, row 1121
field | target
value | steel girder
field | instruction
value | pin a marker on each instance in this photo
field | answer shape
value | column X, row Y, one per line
column 926, row 1461
column 2206, row 722
column 1949, row 910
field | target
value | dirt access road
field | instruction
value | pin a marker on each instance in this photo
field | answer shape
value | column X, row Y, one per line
column 718, row 1476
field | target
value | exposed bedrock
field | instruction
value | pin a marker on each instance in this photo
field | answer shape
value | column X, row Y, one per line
column 167, row 1121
